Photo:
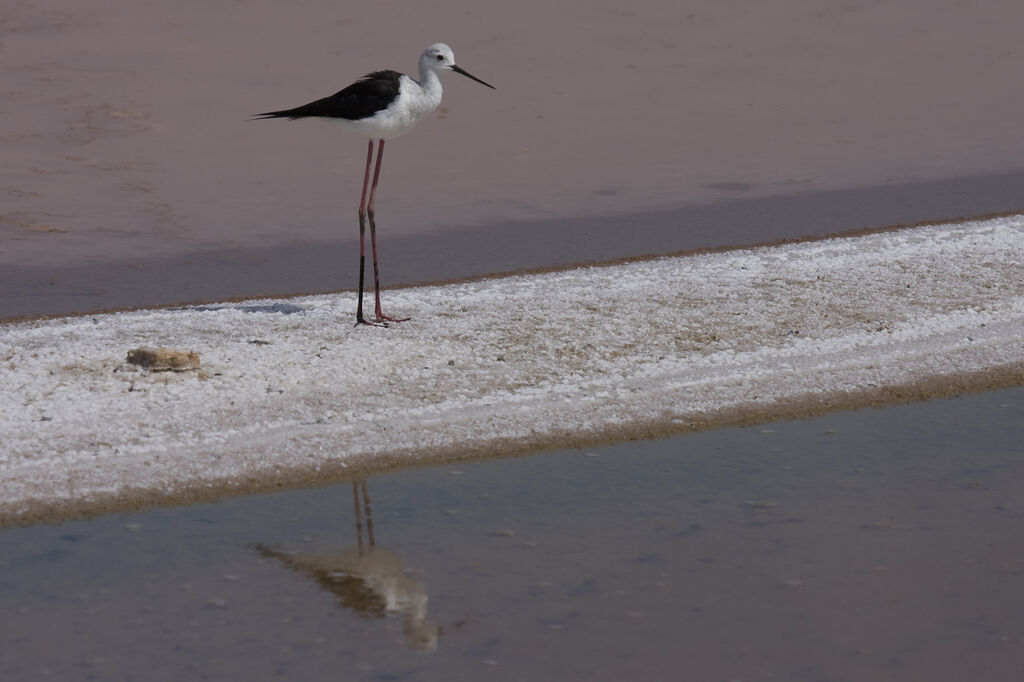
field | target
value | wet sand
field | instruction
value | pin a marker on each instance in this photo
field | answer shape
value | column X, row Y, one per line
column 876, row 544
column 499, row 246
column 131, row 177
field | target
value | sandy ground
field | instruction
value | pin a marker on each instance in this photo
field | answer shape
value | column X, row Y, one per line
column 129, row 168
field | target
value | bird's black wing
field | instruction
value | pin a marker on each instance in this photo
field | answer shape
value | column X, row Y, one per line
column 364, row 98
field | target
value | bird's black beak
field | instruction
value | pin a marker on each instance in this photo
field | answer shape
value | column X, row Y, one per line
column 467, row 74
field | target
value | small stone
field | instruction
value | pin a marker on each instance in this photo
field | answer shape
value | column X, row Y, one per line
column 164, row 359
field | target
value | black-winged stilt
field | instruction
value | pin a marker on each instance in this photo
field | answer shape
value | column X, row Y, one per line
column 382, row 105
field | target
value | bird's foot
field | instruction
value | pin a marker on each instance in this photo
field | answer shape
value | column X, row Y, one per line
column 375, row 323
column 384, row 319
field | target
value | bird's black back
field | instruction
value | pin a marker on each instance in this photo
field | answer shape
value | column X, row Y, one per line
column 364, row 98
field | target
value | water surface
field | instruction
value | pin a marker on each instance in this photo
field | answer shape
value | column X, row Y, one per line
column 879, row 544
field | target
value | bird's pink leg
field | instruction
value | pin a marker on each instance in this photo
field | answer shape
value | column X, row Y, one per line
column 366, row 181
column 376, row 173
column 362, row 236
column 378, row 313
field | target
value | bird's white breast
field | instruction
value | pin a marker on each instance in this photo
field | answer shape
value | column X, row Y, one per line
column 413, row 103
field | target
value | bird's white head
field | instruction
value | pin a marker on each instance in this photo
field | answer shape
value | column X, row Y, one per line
column 439, row 57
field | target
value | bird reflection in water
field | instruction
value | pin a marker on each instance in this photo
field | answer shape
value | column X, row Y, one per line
column 371, row 581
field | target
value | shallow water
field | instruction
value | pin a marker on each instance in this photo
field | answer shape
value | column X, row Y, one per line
column 879, row 544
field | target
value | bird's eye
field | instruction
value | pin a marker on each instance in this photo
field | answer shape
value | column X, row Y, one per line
column 440, row 57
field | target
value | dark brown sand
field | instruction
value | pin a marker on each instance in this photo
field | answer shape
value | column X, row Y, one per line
column 131, row 177
column 307, row 267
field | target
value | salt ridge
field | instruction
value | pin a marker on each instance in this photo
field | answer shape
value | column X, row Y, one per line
column 289, row 388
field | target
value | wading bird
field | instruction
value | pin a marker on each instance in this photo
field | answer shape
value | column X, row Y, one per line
column 380, row 106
